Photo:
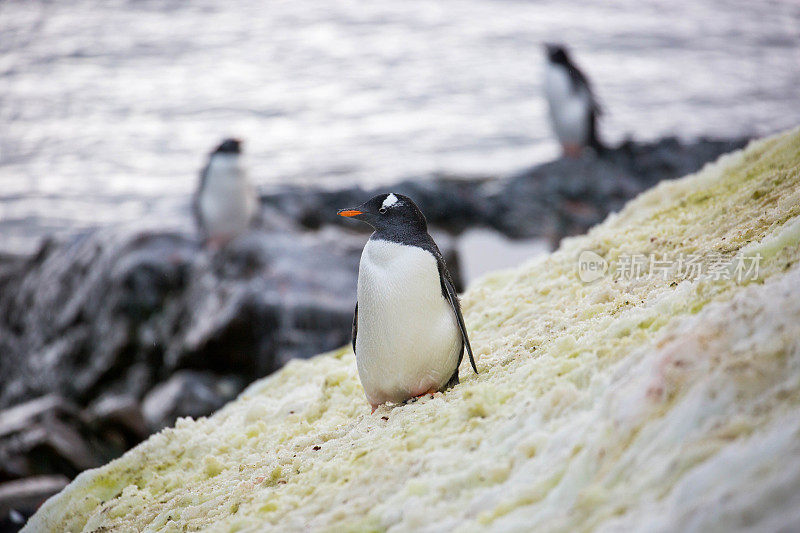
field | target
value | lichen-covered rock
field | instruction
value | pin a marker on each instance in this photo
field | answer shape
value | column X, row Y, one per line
column 666, row 401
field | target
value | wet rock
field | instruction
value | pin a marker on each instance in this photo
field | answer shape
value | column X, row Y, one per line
column 119, row 418
column 552, row 200
column 24, row 415
column 188, row 393
column 120, row 310
column 48, row 434
column 19, row 499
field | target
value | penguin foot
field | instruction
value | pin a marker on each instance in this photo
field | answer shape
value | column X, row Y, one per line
column 418, row 396
column 217, row 242
column 374, row 407
column 572, row 150
column 214, row 245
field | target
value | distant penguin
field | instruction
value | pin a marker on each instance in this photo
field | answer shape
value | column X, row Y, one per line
column 574, row 110
column 225, row 202
column 408, row 332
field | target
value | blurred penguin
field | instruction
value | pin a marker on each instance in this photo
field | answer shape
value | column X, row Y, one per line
column 225, row 202
column 573, row 108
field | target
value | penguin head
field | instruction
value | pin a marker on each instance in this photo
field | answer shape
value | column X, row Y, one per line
column 229, row 146
column 556, row 53
column 392, row 212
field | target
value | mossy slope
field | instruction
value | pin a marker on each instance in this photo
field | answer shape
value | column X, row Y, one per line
column 666, row 402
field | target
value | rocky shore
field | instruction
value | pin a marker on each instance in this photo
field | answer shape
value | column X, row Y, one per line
column 113, row 334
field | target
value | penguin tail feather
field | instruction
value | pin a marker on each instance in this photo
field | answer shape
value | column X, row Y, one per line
column 452, row 382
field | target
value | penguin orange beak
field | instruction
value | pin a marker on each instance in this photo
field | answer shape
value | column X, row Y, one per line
column 350, row 212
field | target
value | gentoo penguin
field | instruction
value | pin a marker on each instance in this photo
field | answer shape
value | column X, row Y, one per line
column 225, row 202
column 573, row 108
column 408, row 331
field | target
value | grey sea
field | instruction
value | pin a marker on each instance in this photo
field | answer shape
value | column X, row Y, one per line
column 107, row 109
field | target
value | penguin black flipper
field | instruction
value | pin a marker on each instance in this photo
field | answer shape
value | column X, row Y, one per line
column 595, row 110
column 355, row 327
column 580, row 82
column 447, row 284
column 198, row 218
column 594, row 137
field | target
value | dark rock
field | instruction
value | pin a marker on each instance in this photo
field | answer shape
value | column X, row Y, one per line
column 552, row 200
column 119, row 311
column 48, row 434
column 24, row 415
column 19, row 499
column 188, row 393
column 119, row 417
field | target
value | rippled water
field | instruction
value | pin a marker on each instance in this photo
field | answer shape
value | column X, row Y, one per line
column 107, row 108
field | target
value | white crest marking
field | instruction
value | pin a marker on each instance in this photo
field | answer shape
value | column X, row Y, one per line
column 390, row 201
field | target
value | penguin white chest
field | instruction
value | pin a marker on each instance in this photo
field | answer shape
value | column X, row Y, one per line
column 227, row 202
column 408, row 340
column 569, row 109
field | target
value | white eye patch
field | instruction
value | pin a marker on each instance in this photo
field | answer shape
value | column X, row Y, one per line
column 390, row 201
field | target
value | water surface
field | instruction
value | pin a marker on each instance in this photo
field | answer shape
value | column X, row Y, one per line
column 107, row 108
